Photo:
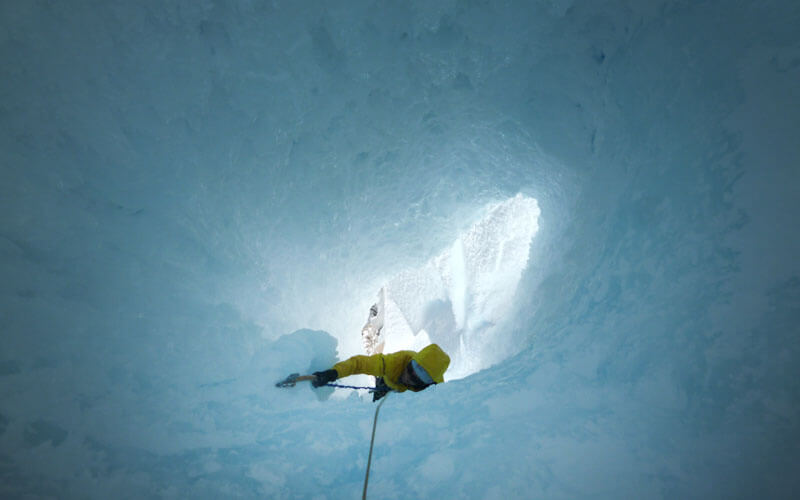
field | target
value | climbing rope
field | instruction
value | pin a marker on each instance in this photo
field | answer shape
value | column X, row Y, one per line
column 381, row 392
column 292, row 379
column 371, row 442
column 340, row 386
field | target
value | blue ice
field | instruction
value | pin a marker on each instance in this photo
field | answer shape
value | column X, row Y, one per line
column 592, row 205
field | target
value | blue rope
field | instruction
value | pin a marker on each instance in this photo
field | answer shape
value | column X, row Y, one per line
column 370, row 389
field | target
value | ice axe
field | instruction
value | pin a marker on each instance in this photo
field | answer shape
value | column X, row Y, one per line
column 293, row 379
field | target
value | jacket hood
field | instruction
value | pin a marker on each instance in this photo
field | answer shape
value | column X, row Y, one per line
column 434, row 360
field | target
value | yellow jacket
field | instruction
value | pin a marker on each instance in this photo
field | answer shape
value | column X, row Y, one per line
column 390, row 366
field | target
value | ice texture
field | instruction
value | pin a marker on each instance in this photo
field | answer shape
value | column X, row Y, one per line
column 198, row 198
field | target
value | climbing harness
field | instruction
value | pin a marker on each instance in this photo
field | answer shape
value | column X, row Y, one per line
column 371, row 442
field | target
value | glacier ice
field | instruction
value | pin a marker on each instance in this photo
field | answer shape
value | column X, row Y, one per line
column 185, row 184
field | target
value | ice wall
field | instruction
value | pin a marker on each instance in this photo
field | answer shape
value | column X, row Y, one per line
column 461, row 299
column 183, row 184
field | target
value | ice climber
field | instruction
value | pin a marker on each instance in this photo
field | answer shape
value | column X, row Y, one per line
column 398, row 371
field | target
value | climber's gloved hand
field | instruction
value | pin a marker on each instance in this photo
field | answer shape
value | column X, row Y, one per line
column 322, row 378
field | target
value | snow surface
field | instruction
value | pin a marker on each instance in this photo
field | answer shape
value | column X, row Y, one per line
column 199, row 198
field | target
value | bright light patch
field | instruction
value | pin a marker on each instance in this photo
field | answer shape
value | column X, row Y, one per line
column 460, row 298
